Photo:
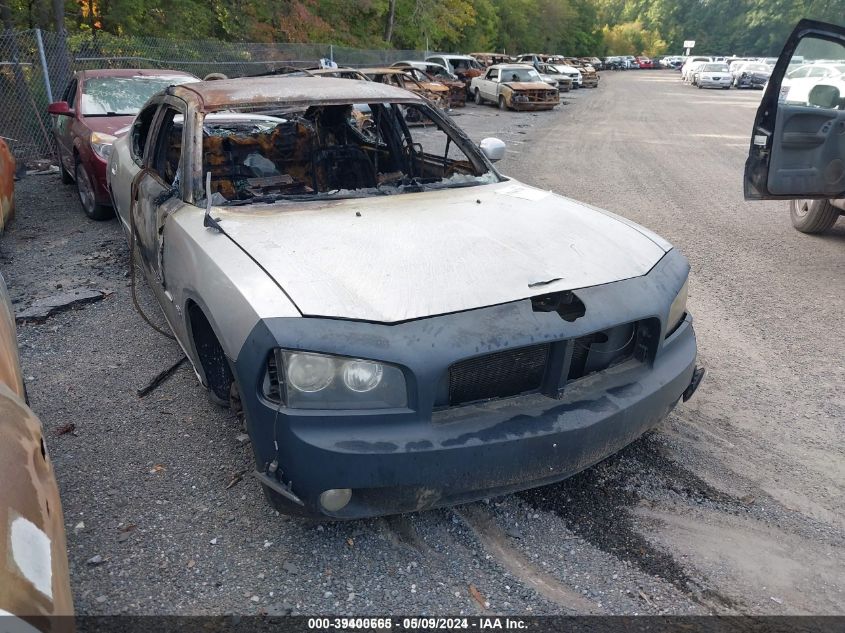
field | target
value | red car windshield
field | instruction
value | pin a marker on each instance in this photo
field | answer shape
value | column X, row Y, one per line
column 123, row 96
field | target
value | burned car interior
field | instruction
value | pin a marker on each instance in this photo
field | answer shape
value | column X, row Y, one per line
column 338, row 150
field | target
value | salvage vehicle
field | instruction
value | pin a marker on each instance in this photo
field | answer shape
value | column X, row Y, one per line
column 8, row 167
column 435, row 73
column 403, row 327
column 491, row 59
column 714, row 75
column 94, row 106
column 463, row 67
column 801, row 78
column 337, row 73
column 751, row 75
column 34, row 580
column 564, row 78
column 514, row 87
column 589, row 76
column 797, row 151
column 434, row 91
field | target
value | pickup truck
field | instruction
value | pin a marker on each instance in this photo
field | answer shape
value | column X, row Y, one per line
column 514, row 87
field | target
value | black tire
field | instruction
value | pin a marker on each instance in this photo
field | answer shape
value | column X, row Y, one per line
column 502, row 104
column 67, row 179
column 479, row 100
column 813, row 216
column 87, row 198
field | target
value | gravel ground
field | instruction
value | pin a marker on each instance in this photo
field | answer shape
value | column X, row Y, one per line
column 736, row 504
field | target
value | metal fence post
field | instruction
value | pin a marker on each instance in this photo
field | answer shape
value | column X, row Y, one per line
column 44, row 65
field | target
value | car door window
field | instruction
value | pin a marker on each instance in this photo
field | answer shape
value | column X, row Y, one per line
column 166, row 153
column 140, row 132
column 493, row 75
column 70, row 93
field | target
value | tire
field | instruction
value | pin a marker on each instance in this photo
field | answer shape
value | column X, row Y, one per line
column 87, row 197
column 477, row 96
column 699, row 86
column 812, row 216
column 502, row 104
column 67, row 179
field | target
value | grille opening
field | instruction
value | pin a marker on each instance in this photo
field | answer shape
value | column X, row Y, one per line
column 566, row 304
column 600, row 350
column 272, row 380
column 498, row 375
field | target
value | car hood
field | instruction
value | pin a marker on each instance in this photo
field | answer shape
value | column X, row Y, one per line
column 527, row 85
column 114, row 125
column 393, row 258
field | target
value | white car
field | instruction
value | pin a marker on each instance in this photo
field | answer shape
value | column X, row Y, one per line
column 714, row 75
column 691, row 72
column 689, row 63
column 404, row 327
column 799, row 81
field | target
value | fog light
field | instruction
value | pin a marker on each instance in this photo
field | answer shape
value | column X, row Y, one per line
column 335, row 499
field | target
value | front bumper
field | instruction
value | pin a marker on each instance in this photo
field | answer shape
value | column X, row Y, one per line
column 422, row 456
column 724, row 82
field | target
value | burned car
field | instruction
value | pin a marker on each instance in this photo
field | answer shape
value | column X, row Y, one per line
column 34, row 580
column 434, row 91
column 514, row 87
column 431, row 72
column 403, row 326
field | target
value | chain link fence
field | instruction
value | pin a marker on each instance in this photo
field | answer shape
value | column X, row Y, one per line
column 35, row 67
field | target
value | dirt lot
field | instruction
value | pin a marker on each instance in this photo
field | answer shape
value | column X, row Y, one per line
column 736, row 504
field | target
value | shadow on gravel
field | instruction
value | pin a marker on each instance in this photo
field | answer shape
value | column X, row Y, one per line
column 594, row 504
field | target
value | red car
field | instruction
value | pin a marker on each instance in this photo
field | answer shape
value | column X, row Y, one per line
column 96, row 107
column 645, row 62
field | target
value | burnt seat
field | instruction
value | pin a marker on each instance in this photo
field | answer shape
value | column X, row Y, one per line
column 343, row 167
column 289, row 146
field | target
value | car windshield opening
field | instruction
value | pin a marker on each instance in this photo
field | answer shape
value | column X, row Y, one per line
column 715, row 68
column 334, row 151
column 115, row 96
column 520, row 74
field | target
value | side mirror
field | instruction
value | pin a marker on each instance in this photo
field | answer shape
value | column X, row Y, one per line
column 60, row 108
column 493, row 149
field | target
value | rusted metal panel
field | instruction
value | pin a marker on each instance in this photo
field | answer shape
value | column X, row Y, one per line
column 33, row 553
column 7, row 185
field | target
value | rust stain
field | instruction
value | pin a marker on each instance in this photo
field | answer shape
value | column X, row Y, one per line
column 7, row 185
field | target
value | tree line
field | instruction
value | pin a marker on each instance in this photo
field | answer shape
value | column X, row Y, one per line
column 570, row 27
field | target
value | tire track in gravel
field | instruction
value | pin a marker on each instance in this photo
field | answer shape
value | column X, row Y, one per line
column 495, row 542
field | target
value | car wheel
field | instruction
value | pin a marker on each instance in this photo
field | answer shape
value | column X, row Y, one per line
column 502, row 104
column 67, row 179
column 478, row 99
column 87, row 197
column 699, row 85
column 812, row 216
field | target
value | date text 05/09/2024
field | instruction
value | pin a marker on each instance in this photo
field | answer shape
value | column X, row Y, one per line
column 417, row 623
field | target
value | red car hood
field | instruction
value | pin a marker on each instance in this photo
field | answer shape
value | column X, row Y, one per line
column 114, row 125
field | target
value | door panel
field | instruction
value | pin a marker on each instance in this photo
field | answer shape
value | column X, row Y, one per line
column 807, row 152
column 798, row 141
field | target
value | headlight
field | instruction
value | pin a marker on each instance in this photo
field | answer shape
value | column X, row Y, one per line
column 306, row 380
column 678, row 309
column 102, row 144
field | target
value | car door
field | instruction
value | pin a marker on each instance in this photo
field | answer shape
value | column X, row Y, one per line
column 798, row 143
column 62, row 126
column 160, row 187
column 490, row 84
